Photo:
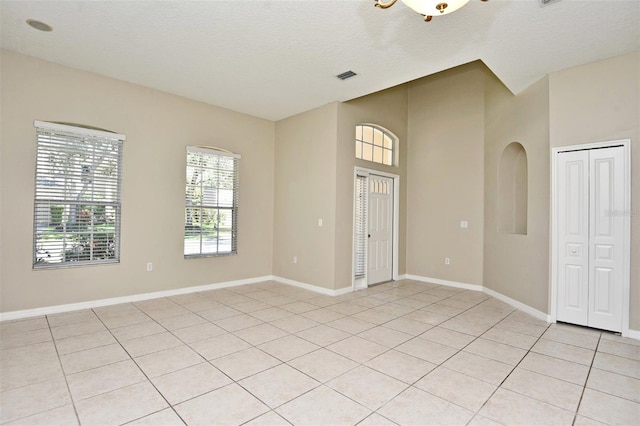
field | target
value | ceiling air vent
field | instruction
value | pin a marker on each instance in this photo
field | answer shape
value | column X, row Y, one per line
column 345, row 75
column 544, row 3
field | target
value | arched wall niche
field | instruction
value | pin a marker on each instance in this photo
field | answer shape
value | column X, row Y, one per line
column 513, row 190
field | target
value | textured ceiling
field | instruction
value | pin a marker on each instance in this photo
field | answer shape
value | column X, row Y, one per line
column 274, row 59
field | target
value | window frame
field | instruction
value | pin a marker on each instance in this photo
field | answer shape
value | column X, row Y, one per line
column 216, row 155
column 93, row 211
column 362, row 144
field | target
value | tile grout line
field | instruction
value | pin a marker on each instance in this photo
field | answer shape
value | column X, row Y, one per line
column 109, row 330
column 509, row 374
column 584, row 388
column 141, row 370
column 353, row 300
column 64, row 374
column 323, row 384
column 378, row 325
column 48, row 328
column 233, row 381
column 412, row 385
column 391, row 348
column 320, row 384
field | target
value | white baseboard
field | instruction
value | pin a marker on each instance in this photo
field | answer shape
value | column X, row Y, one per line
column 311, row 287
column 48, row 310
column 27, row 313
column 518, row 305
column 474, row 287
column 633, row 334
column 341, row 291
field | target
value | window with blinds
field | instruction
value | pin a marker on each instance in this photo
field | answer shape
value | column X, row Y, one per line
column 77, row 196
column 361, row 233
column 376, row 144
column 211, row 203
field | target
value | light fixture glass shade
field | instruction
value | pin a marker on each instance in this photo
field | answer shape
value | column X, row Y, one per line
column 430, row 7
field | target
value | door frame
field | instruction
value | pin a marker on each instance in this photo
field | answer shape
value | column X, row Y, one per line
column 626, row 217
column 362, row 171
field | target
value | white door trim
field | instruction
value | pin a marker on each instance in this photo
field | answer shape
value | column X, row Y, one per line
column 626, row 245
column 361, row 171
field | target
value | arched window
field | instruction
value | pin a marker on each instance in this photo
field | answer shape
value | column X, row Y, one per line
column 376, row 144
column 513, row 190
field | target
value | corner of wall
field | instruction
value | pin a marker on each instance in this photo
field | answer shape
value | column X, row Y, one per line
column 304, row 193
column 445, row 174
column 522, row 118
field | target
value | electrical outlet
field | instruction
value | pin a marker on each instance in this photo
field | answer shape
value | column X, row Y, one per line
column 149, row 267
column 447, row 261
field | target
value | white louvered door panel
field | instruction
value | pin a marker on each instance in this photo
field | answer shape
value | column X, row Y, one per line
column 360, row 227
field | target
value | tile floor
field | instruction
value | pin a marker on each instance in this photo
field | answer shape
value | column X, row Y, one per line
column 403, row 353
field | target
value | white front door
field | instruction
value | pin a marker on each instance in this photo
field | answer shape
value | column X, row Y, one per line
column 380, row 238
column 591, row 204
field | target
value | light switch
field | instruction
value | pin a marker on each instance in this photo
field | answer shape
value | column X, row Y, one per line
column 320, row 223
column 464, row 224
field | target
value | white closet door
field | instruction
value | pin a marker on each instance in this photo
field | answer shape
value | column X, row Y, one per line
column 606, row 171
column 591, row 205
column 573, row 237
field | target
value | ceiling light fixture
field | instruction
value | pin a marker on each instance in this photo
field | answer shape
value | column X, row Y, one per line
column 427, row 8
column 39, row 25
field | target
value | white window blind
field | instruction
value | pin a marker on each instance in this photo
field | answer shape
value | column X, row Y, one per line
column 361, row 233
column 77, row 196
column 211, row 202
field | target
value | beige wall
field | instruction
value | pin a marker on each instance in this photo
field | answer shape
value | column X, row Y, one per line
column 158, row 126
column 600, row 102
column 305, row 191
column 314, row 179
column 517, row 266
column 452, row 127
column 388, row 109
column 446, row 175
